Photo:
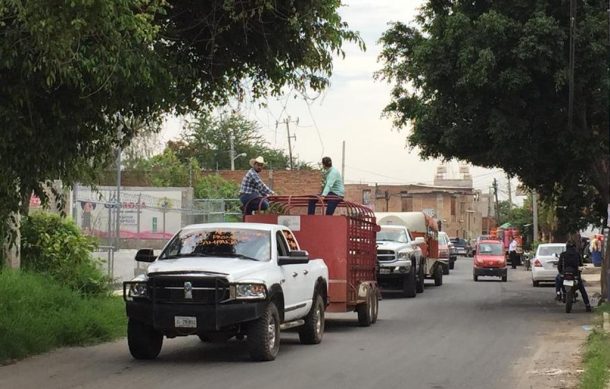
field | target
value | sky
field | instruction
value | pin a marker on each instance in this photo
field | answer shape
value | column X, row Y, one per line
column 350, row 110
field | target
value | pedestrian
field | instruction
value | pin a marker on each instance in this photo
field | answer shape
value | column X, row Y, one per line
column 332, row 188
column 512, row 253
column 595, row 247
column 253, row 190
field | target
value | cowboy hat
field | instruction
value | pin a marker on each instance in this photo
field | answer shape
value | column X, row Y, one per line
column 259, row 159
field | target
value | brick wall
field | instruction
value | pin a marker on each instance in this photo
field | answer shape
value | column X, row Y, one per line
column 283, row 182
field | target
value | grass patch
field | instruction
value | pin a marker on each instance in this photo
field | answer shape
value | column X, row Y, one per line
column 596, row 359
column 38, row 314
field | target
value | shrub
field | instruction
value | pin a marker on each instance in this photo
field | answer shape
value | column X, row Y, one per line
column 38, row 314
column 55, row 246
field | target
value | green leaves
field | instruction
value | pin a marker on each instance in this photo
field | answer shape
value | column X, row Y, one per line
column 486, row 82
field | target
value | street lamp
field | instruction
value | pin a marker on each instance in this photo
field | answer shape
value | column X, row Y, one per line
column 234, row 158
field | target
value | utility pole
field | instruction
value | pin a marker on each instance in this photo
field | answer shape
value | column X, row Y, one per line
column 495, row 187
column 510, row 193
column 232, row 150
column 343, row 162
column 118, row 188
column 287, row 122
column 535, row 213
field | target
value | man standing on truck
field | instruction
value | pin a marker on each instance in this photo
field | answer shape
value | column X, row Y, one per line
column 253, row 189
column 332, row 188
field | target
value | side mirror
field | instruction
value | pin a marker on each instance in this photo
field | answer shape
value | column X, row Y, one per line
column 146, row 255
column 294, row 257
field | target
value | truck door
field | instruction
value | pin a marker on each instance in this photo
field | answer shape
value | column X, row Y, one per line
column 294, row 282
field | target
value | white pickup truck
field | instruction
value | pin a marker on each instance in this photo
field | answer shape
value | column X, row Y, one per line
column 224, row 280
column 400, row 261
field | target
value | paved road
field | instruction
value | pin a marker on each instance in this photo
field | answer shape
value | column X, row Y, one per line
column 460, row 335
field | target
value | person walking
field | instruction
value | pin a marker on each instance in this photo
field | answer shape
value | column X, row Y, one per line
column 595, row 247
column 253, row 190
column 332, row 188
column 512, row 253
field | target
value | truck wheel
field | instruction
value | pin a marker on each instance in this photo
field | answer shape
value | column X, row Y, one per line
column 313, row 329
column 409, row 287
column 143, row 340
column 451, row 265
column 375, row 308
column 264, row 335
column 364, row 310
column 419, row 287
column 438, row 276
column 504, row 278
column 446, row 269
column 475, row 277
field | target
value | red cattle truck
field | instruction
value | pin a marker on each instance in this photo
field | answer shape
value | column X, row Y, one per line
column 347, row 243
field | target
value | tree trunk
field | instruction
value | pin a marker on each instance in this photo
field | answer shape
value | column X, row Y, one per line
column 12, row 241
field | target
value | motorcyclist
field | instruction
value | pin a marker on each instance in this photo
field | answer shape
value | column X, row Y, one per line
column 569, row 261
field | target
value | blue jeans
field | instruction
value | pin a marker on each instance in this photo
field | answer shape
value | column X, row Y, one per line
column 331, row 205
column 253, row 202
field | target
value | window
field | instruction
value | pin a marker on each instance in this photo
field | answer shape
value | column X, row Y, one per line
column 282, row 246
column 292, row 242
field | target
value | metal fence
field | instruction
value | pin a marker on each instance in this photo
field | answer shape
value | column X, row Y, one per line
column 144, row 220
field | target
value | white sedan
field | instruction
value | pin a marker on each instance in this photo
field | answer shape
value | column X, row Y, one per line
column 544, row 264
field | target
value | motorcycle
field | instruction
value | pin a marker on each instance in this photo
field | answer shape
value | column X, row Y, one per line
column 570, row 286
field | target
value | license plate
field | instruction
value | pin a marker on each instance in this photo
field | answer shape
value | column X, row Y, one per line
column 185, row 322
column 568, row 282
column 385, row 271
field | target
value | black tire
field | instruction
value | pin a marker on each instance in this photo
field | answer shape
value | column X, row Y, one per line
column 535, row 284
column 419, row 286
column 364, row 311
column 504, row 278
column 475, row 277
column 409, row 287
column 143, row 340
column 451, row 265
column 569, row 300
column 438, row 276
column 375, row 308
column 445, row 269
column 264, row 335
column 313, row 329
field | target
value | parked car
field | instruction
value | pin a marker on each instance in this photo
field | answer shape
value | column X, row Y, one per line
column 544, row 263
column 489, row 260
column 462, row 246
column 452, row 255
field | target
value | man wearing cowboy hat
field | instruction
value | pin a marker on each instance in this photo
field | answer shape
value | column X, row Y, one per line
column 253, row 189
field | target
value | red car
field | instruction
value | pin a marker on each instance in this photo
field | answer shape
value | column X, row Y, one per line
column 489, row 260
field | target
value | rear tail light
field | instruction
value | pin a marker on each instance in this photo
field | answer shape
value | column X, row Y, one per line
column 537, row 263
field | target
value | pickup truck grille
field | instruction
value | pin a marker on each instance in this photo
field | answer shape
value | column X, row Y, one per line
column 188, row 289
column 386, row 255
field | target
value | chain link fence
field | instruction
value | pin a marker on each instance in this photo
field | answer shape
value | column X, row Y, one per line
column 147, row 217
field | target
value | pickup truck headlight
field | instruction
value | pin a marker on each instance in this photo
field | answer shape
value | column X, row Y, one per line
column 248, row 291
column 403, row 255
column 138, row 290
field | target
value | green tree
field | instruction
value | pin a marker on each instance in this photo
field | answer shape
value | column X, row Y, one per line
column 215, row 187
column 69, row 74
column 487, row 82
column 208, row 139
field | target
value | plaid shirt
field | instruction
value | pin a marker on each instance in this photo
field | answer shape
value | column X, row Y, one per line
column 252, row 183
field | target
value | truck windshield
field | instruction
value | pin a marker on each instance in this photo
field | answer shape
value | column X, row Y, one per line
column 220, row 242
column 392, row 235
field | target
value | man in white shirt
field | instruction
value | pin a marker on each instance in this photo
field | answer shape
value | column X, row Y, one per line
column 512, row 253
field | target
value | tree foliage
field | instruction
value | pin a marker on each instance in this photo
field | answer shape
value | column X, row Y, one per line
column 71, row 72
column 487, row 82
column 208, row 140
